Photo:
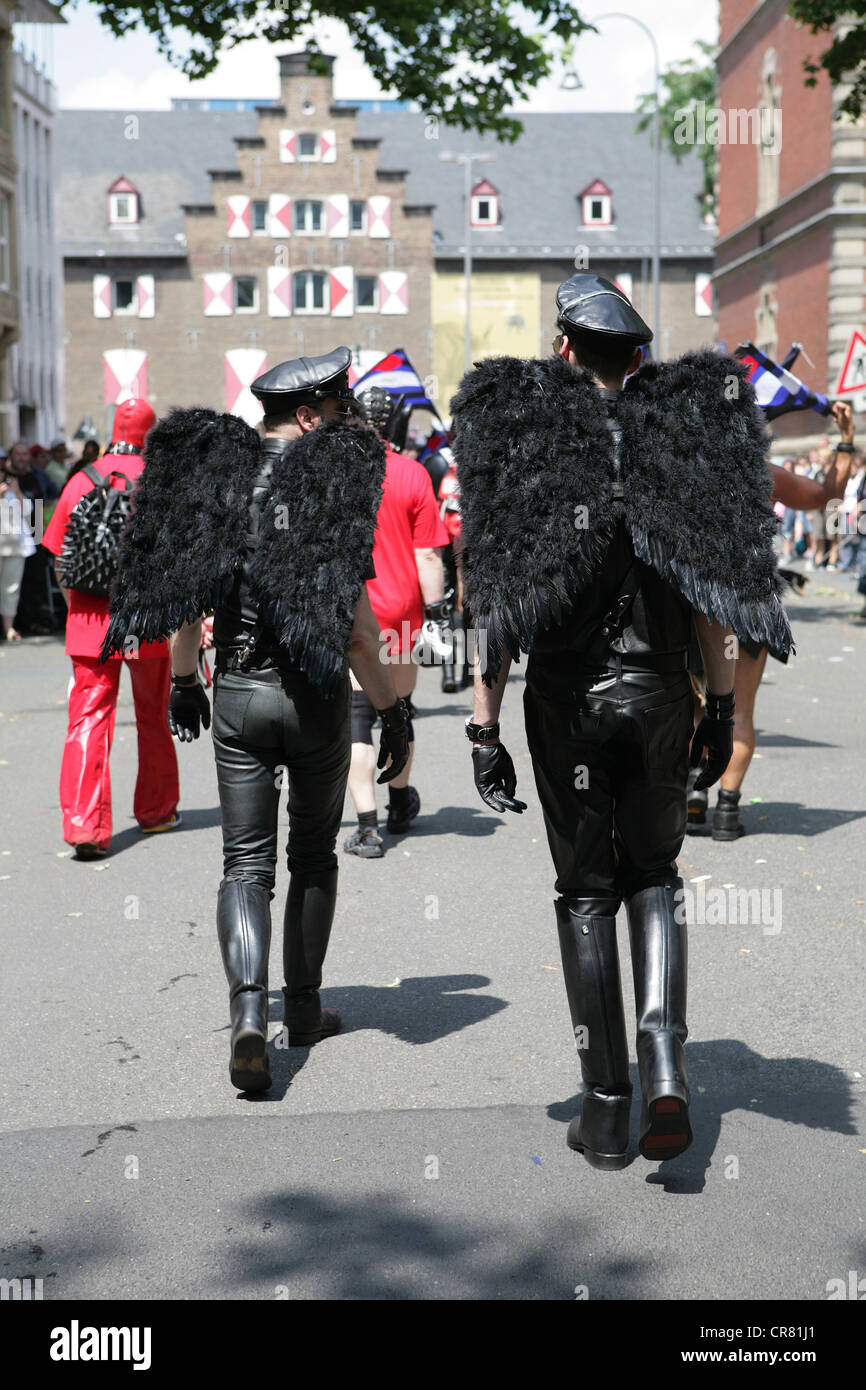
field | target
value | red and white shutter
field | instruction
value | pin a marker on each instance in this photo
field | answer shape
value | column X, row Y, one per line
column 328, row 146
column 337, row 212
column 379, row 216
column 279, row 292
column 280, row 215
column 218, row 293
column 623, row 282
column 144, row 296
column 288, row 146
column 243, row 365
column 342, row 291
column 703, row 295
column 393, row 292
column 102, row 296
column 124, row 374
column 239, row 215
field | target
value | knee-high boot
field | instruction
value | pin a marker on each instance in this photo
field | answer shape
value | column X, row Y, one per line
column 659, row 952
column 590, row 963
column 306, row 932
column 244, row 931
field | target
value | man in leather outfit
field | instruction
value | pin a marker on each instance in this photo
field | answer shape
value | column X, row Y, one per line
column 277, row 709
column 608, row 711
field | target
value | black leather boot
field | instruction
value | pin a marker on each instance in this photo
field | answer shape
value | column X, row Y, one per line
column 726, row 817
column 659, row 953
column 590, row 963
column 244, row 931
column 306, row 932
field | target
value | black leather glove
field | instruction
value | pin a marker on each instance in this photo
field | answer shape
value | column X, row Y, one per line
column 187, row 705
column 715, row 734
column 395, row 739
column 495, row 777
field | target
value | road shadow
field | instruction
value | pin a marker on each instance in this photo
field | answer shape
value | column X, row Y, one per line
column 782, row 818
column 380, row 1247
column 418, row 1010
column 726, row 1075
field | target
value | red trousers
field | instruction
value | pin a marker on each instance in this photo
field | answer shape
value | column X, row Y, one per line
column 85, row 782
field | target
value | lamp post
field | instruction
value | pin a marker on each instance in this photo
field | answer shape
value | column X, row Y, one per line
column 569, row 83
column 467, row 160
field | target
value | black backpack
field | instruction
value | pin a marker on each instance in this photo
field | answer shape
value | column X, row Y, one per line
column 88, row 560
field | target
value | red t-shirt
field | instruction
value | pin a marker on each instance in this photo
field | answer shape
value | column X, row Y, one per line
column 408, row 519
column 87, row 622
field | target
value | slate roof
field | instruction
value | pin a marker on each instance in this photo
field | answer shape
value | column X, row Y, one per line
column 539, row 179
column 168, row 164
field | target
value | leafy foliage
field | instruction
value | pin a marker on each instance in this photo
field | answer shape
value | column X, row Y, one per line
column 683, row 85
column 845, row 59
column 465, row 63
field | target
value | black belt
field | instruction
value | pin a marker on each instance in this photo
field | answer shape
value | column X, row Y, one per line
column 577, row 663
column 231, row 661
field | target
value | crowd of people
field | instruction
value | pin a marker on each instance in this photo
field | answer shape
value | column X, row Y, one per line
column 827, row 538
column 31, row 481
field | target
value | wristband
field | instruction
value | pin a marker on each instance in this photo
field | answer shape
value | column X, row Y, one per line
column 482, row 733
column 844, row 448
column 720, row 706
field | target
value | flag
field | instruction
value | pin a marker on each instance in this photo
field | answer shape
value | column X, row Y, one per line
column 777, row 390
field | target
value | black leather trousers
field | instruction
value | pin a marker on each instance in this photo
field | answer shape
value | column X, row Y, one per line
column 270, row 725
column 610, row 757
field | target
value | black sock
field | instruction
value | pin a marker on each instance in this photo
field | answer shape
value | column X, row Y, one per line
column 368, row 820
column 399, row 798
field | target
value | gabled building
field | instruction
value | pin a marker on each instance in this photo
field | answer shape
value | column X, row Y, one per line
column 202, row 247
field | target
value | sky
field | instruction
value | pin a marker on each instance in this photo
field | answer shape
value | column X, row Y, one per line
column 93, row 69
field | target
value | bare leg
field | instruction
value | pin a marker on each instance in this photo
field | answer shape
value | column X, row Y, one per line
column 747, row 678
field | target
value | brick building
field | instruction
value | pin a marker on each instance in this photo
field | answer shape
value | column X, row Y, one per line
column 791, row 248
column 202, row 247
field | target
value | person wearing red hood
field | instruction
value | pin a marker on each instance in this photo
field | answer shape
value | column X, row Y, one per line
column 85, row 786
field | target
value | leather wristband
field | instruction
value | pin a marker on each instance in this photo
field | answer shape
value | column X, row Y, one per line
column 844, row 448
column 439, row 611
column 720, row 707
column 482, row 733
column 395, row 715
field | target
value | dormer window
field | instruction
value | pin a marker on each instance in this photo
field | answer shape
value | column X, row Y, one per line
column 484, row 210
column 122, row 204
column 596, row 205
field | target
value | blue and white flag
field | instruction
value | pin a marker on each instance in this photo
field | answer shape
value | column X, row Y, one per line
column 777, row 390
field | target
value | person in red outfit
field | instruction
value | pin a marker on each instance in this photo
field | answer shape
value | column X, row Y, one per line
column 85, row 784
column 406, row 596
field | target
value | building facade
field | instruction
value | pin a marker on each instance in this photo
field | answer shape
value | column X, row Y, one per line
column 202, row 246
column 9, row 321
column 37, row 395
column 791, row 250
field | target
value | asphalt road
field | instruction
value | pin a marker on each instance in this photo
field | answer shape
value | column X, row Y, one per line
column 421, row 1154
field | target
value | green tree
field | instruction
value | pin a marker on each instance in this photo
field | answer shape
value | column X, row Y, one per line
column 845, row 59
column 464, row 63
column 683, row 86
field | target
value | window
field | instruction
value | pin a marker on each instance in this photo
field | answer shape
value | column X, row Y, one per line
column 367, row 294
column 260, row 216
column 246, row 294
column 308, row 147
column 4, row 242
column 124, row 297
column 311, row 292
column 358, row 215
column 123, row 208
column 596, row 210
column 308, row 216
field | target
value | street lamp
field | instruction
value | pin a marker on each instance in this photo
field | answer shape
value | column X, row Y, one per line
column 467, row 160
column 568, row 84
